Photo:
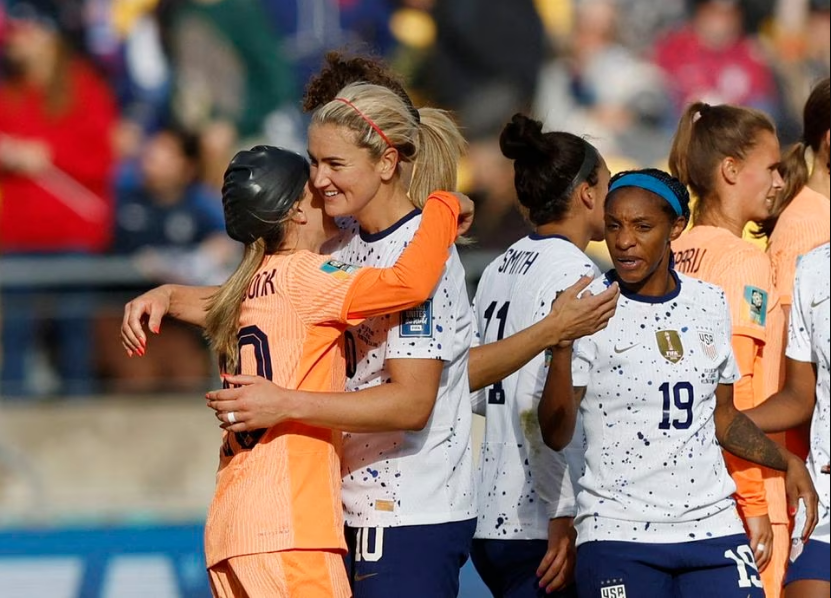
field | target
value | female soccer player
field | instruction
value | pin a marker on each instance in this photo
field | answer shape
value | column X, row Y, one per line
column 729, row 157
column 275, row 526
column 800, row 219
column 524, row 537
column 805, row 397
column 654, row 513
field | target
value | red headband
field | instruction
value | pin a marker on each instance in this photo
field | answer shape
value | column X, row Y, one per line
column 367, row 119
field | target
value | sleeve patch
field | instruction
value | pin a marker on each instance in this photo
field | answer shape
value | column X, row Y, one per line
column 339, row 269
column 418, row 321
column 755, row 305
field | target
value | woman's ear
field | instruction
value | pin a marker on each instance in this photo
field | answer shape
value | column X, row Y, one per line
column 387, row 164
column 729, row 169
column 587, row 195
column 298, row 214
column 678, row 227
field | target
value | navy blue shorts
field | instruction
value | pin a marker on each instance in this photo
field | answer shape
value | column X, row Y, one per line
column 809, row 561
column 713, row 568
column 509, row 568
column 413, row 561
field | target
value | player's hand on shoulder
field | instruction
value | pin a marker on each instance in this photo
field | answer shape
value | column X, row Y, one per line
column 578, row 313
column 250, row 403
column 466, row 211
column 145, row 310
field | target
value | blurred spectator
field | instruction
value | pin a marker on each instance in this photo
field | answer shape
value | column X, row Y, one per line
column 485, row 61
column 603, row 90
column 712, row 59
column 228, row 65
column 643, row 21
column 173, row 228
column 56, row 119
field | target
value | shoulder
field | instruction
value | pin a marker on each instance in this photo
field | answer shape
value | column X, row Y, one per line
column 702, row 293
column 815, row 260
column 745, row 261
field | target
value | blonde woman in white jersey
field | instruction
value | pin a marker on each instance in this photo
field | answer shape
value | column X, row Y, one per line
column 523, row 547
column 654, row 512
column 805, row 398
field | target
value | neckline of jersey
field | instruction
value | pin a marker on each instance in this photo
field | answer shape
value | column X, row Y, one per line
column 539, row 237
column 611, row 276
column 381, row 234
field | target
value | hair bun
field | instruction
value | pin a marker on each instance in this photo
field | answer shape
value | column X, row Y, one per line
column 522, row 139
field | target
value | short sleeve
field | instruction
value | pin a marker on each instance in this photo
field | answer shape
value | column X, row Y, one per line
column 729, row 369
column 478, row 397
column 427, row 331
column 799, row 328
column 582, row 356
column 745, row 276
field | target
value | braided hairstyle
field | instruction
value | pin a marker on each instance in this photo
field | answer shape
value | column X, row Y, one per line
column 675, row 186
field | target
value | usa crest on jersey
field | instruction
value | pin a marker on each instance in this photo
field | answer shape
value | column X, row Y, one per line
column 708, row 344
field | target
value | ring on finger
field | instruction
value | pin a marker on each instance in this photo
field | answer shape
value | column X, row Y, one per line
column 232, row 417
column 760, row 546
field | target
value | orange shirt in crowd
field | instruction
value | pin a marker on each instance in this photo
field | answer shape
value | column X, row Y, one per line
column 743, row 271
column 279, row 488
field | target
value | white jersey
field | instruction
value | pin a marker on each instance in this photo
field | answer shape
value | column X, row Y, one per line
column 410, row 478
column 654, row 471
column 809, row 340
column 522, row 483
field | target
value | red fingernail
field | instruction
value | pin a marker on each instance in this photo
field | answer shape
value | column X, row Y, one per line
column 792, row 511
column 156, row 329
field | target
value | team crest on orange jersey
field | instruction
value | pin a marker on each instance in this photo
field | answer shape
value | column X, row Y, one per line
column 669, row 344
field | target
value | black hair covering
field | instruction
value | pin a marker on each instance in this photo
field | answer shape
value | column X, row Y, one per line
column 261, row 186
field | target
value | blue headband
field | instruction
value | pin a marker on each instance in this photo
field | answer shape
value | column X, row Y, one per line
column 650, row 183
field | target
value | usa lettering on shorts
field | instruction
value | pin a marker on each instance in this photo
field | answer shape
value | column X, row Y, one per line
column 613, row 591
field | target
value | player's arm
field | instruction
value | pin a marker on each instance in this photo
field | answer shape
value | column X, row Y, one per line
column 185, row 303
column 750, row 483
column 571, row 317
column 377, row 291
column 794, row 404
column 404, row 403
column 557, row 411
column 738, row 435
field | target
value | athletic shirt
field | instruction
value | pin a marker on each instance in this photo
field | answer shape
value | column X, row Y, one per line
column 523, row 483
column 405, row 477
column 279, row 488
column 804, row 225
column 809, row 340
column 654, row 471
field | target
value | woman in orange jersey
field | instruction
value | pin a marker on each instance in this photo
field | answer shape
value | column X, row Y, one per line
column 800, row 219
column 275, row 526
column 728, row 156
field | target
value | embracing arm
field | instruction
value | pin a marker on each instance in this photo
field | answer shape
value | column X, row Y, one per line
column 571, row 317
column 409, row 282
column 737, row 434
column 404, row 403
column 184, row 303
column 558, row 406
column 794, row 404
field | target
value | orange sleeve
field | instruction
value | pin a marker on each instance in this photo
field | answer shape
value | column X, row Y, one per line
column 747, row 393
column 412, row 279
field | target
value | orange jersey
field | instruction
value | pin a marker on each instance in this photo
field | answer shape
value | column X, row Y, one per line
column 279, row 488
column 743, row 271
column 804, row 225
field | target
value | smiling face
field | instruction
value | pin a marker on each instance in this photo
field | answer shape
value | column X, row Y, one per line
column 757, row 179
column 638, row 234
column 345, row 175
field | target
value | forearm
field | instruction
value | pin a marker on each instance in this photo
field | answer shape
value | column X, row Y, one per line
column 737, row 434
column 557, row 410
column 189, row 304
column 782, row 411
column 383, row 408
column 493, row 362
